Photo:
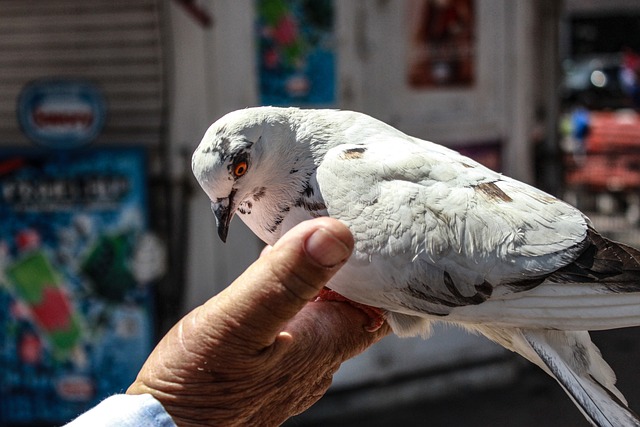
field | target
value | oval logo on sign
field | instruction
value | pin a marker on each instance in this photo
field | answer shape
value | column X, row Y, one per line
column 61, row 113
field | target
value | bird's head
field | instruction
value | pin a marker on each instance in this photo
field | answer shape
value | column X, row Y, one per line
column 250, row 156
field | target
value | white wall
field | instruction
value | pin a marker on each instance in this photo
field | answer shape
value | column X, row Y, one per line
column 212, row 75
column 448, row 116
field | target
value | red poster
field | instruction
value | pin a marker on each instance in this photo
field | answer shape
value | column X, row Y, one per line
column 441, row 43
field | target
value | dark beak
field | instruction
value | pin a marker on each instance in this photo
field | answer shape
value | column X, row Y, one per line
column 223, row 210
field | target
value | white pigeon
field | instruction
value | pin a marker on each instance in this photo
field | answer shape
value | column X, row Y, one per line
column 438, row 237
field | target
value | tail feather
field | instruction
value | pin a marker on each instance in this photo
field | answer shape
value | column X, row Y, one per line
column 575, row 362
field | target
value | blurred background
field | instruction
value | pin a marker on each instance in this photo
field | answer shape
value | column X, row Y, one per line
column 106, row 240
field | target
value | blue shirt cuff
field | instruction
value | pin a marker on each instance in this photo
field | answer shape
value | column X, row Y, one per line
column 125, row 410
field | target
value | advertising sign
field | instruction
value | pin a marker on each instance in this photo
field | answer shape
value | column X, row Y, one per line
column 296, row 58
column 441, row 43
column 60, row 113
column 75, row 311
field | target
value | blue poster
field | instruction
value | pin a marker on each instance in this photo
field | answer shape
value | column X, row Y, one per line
column 296, row 58
column 75, row 311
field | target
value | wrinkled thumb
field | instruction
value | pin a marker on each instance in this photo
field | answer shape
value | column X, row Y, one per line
column 282, row 281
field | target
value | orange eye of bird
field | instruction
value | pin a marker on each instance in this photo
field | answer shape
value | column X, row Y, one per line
column 240, row 169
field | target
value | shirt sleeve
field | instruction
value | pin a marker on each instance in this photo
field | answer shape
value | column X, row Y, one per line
column 124, row 410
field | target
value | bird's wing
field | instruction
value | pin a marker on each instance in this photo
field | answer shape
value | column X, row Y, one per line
column 443, row 232
column 598, row 290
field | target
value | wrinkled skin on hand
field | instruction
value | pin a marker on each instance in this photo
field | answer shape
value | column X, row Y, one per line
column 260, row 352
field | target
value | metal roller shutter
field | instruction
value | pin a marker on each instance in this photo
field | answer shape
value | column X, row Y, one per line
column 113, row 43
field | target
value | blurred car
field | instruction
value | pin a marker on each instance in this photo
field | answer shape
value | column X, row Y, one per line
column 595, row 82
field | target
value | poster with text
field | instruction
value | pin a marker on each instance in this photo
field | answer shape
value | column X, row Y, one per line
column 75, row 307
column 296, row 52
column 442, row 48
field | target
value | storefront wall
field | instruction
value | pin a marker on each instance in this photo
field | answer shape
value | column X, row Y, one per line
column 492, row 115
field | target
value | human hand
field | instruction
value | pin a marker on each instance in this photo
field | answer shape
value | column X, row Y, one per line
column 259, row 352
